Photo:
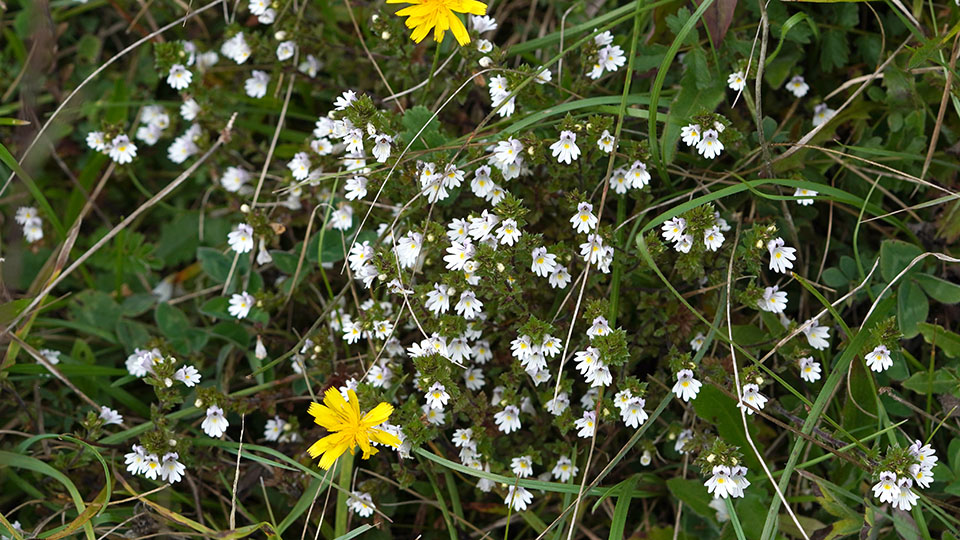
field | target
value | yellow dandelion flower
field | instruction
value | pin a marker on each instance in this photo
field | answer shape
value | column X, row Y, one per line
column 348, row 427
column 438, row 15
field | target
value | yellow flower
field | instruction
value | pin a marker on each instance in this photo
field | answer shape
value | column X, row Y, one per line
column 438, row 14
column 349, row 429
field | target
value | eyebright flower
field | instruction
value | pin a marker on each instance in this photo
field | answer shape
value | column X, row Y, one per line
column 543, row 263
column 599, row 327
column 348, row 427
column 809, row 369
column 518, row 497
column 285, row 50
column 713, row 238
column 584, row 220
column 522, row 466
column 710, row 145
column 586, row 424
column 638, row 175
column 240, row 305
column 566, row 149
column 684, row 244
column 256, row 85
column 508, row 420
column 886, row 489
column 274, row 428
column 236, row 49
column 171, row 470
column 188, row 375
column 121, row 150
column 110, row 416
column 361, row 504
column 437, row 397
column 720, row 484
column 605, row 142
column 469, row 306
column 690, row 134
column 817, row 335
column 752, row 398
column 774, row 300
column 483, row 23
column 736, row 82
column 344, row 100
column 781, row 257
column 438, row 15
column 682, row 439
column 906, row 498
column 633, row 414
column 408, row 249
column 381, row 146
column 673, row 229
column 879, row 359
column 797, row 86
column 822, row 113
column 924, row 453
column 697, row 342
column 179, row 77
column 686, row 387
column 215, row 424
column 564, row 470
column 803, row 192
column 241, row 238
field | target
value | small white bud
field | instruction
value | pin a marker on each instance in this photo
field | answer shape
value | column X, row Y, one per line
column 280, row 35
column 385, row 35
column 198, row 403
column 168, row 382
column 245, row 208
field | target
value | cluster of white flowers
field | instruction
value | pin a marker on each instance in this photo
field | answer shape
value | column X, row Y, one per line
column 610, row 57
column 533, row 357
column 144, row 361
column 236, row 49
column 631, row 408
column 727, row 481
column 262, row 11
column 154, row 119
column 120, row 148
column 899, row 491
column 168, row 469
column 185, row 146
column 28, row 218
column 499, row 94
column 675, row 230
column 707, row 142
column 279, row 430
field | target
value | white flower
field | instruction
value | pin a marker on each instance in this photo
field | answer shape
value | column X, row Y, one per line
column 473, row 378
column 638, row 176
column 256, row 85
column 518, row 497
column 522, row 466
column 381, row 146
column 697, row 342
column 584, row 220
column 682, row 439
column 352, row 331
column 508, row 233
column 149, row 134
column 508, row 151
column 508, row 420
column 586, row 424
column 720, row 484
column 611, row 58
column 605, row 142
column 809, row 369
column 171, row 470
column 151, row 466
column 600, row 375
column 300, row 165
column 906, row 498
column 240, row 305
column 781, row 257
column 774, row 300
column 798, row 86
column 438, row 300
column 752, row 398
column 484, row 46
column 564, row 470
column 344, row 100
column 469, row 305
column 924, row 453
column 543, row 263
column 179, row 77
column 822, row 114
column 633, row 414
column 710, row 145
column 33, row 231
column 110, row 416
column 234, row 178
column 599, row 327
column 713, row 238
column 182, row 148
column 434, row 416
column 342, row 218
column 557, row 405
column 543, row 76
column 721, row 510
column 673, row 229
column 481, row 184
column 686, row 387
column 188, row 375
column 135, row 460
column 309, row 66
column 382, row 329
column 268, row 16
column 738, row 475
column 356, row 188
column 559, row 278
column 690, row 134
column 215, row 424
column 257, row 7
column 879, row 359
column 817, row 335
column 437, row 396
column 684, row 244
column 361, row 504
column 483, row 23
column 274, row 428
column 236, row 49
column 736, row 81
column 241, row 238
column 566, row 149
column 886, row 489
column 96, row 141
column 923, row 476
column 803, row 192
column 618, row 180
column 408, row 249
column 458, row 254
column 285, row 50
column 121, row 150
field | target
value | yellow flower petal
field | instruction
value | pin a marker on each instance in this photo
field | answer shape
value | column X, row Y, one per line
column 383, row 437
column 378, row 415
column 459, row 30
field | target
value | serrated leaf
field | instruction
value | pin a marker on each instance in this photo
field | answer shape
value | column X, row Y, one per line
column 834, row 50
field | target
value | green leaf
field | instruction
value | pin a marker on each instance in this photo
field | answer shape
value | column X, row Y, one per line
column 946, row 340
column 895, row 255
column 232, row 332
column 833, row 277
column 137, row 304
column 214, row 263
column 131, row 334
column 942, row 382
column 414, row 119
column 720, row 411
column 912, row 308
column 693, row 494
column 834, row 50
column 938, row 289
column 172, row 322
